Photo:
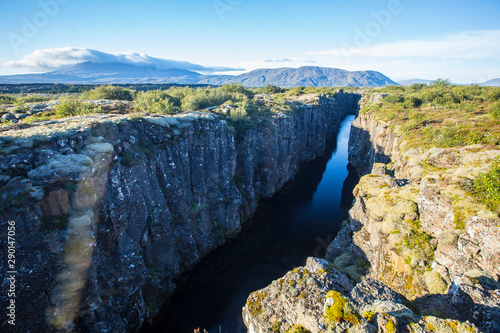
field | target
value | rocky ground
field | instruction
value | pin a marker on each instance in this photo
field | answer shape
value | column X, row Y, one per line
column 319, row 298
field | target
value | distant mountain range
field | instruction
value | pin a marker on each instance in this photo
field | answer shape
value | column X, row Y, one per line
column 120, row 73
column 413, row 81
column 491, row 83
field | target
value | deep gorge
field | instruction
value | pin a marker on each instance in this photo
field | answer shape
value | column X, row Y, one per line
column 110, row 210
column 299, row 221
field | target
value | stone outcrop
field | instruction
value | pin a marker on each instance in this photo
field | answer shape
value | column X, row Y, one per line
column 110, row 209
column 320, row 298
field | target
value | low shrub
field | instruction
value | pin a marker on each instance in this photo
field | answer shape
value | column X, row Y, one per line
column 73, row 107
column 487, row 187
column 109, row 92
column 155, row 101
column 494, row 109
column 7, row 99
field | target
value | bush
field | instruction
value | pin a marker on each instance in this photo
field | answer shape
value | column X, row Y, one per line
column 237, row 89
column 155, row 101
column 7, row 99
column 441, row 83
column 297, row 91
column 270, row 90
column 418, row 86
column 493, row 95
column 109, row 92
column 33, row 99
column 72, row 107
column 447, row 137
column 202, row 98
column 393, row 99
column 494, row 110
column 487, row 187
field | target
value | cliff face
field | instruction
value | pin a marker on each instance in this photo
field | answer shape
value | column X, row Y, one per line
column 419, row 230
column 110, row 209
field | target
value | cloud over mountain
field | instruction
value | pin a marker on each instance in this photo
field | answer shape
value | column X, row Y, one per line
column 50, row 59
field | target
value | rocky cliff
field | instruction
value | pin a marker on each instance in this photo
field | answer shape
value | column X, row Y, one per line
column 417, row 227
column 413, row 232
column 110, row 209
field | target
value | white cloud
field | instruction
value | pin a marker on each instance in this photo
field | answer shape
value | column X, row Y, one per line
column 50, row 59
column 465, row 45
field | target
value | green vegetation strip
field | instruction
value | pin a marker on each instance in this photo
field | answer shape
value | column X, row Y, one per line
column 441, row 115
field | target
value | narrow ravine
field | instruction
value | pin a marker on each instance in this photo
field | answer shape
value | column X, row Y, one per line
column 298, row 222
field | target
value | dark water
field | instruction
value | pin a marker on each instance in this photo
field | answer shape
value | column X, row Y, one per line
column 297, row 223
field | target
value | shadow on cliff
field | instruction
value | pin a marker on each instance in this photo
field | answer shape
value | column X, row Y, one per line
column 465, row 304
column 364, row 153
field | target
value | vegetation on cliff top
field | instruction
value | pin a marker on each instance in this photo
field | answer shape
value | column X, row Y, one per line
column 441, row 115
column 240, row 106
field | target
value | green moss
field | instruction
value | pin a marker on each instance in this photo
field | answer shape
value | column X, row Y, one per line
column 417, row 240
column 390, row 327
column 254, row 302
column 369, row 315
column 430, row 327
column 197, row 208
column 458, row 220
column 436, row 284
column 276, row 326
column 298, row 329
column 354, row 266
column 340, row 311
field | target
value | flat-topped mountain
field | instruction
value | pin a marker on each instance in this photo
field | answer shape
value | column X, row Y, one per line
column 89, row 72
column 305, row 76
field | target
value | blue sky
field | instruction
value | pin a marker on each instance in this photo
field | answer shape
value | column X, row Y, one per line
column 459, row 40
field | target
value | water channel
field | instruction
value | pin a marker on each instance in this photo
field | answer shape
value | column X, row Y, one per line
column 296, row 223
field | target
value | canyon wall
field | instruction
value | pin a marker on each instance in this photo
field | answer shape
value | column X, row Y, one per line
column 420, row 253
column 110, row 209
